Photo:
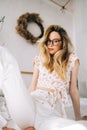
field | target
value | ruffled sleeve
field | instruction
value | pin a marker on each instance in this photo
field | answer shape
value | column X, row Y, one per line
column 73, row 57
column 36, row 62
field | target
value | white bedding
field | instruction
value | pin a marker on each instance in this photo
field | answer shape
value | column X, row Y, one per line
column 5, row 119
column 70, row 112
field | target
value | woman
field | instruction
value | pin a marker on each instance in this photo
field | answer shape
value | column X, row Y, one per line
column 55, row 76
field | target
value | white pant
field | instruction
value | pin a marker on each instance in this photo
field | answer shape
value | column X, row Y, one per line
column 19, row 102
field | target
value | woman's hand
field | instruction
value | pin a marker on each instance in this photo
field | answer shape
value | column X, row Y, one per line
column 81, row 118
column 84, row 118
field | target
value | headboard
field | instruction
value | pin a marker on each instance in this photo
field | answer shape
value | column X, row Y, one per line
column 26, row 72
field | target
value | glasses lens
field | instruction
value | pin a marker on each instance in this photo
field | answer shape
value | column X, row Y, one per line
column 56, row 42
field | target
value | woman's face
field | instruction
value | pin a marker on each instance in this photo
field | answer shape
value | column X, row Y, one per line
column 54, row 42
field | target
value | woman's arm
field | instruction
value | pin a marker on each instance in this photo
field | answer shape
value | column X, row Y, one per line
column 74, row 90
column 33, row 85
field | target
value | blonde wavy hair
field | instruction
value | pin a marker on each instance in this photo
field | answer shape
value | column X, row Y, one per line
column 58, row 61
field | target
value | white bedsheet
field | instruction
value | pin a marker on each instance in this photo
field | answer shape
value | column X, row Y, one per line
column 70, row 111
column 5, row 119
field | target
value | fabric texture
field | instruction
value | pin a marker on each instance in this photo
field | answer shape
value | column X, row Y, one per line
column 18, row 100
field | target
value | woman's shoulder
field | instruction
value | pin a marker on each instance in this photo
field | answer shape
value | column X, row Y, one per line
column 36, row 61
column 37, row 58
column 73, row 56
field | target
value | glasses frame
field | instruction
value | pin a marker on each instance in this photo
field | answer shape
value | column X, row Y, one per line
column 54, row 42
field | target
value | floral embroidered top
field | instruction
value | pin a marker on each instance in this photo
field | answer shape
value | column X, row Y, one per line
column 51, row 81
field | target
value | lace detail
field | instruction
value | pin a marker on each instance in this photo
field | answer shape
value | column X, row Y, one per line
column 73, row 57
column 36, row 62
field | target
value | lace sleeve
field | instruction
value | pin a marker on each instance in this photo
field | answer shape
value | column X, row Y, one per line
column 36, row 62
column 73, row 57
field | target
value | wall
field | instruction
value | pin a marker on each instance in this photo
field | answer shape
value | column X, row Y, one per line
column 80, row 36
column 49, row 12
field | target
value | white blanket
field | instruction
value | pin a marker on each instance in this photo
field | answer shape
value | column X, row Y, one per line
column 5, row 119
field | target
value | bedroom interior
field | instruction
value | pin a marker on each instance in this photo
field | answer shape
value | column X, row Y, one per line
column 71, row 14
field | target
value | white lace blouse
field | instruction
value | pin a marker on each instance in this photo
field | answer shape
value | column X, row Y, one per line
column 51, row 81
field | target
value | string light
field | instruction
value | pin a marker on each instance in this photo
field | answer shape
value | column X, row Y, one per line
column 63, row 7
column 1, row 22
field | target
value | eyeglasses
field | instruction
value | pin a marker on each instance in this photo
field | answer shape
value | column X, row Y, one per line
column 54, row 42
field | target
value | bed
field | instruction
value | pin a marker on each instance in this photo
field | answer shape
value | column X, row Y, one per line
column 5, row 118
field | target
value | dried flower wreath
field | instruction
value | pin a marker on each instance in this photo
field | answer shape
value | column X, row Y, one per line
column 22, row 24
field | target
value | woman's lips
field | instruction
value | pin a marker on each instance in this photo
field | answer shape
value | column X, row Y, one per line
column 50, row 49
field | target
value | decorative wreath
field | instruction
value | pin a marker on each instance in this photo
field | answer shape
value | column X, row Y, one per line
column 22, row 24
